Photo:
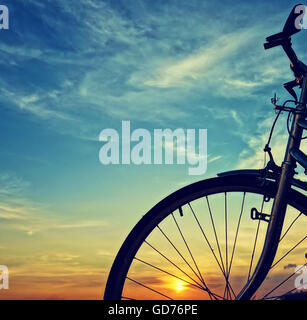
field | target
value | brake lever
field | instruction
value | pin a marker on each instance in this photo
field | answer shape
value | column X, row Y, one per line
column 289, row 86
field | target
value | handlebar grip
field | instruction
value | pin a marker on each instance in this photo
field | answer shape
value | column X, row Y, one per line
column 269, row 45
column 276, row 36
column 276, row 40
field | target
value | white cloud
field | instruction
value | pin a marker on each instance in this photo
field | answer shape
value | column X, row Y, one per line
column 59, row 258
column 132, row 75
column 29, row 99
column 19, row 213
column 106, row 253
column 13, row 204
column 8, row 212
column 10, row 184
column 81, row 224
column 253, row 156
column 242, row 84
column 213, row 159
column 197, row 65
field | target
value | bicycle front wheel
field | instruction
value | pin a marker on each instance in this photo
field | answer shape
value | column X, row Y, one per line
column 200, row 243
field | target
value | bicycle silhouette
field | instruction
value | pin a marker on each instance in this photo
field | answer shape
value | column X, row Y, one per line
column 152, row 264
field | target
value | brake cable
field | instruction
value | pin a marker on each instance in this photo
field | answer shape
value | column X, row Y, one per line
column 267, row 148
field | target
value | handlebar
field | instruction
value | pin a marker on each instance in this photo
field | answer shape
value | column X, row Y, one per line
column 287, row 46
column 284, row 39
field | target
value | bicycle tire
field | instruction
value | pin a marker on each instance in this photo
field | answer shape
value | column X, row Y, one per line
column 234, row 183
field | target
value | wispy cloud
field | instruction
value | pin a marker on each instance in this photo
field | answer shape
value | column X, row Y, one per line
column 213, row 159
column 7, row 212
column 81, row 224
column 72, row 68
column 59, row 257
column 20, row 213
column 120, row 71
column 10, row 184
column 42, row 223
column 199, row 65
column 14, row 205
column 253, row 155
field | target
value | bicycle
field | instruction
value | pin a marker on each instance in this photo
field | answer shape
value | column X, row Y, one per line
column 276, row 190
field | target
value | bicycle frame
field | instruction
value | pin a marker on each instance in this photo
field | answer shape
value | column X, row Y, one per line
column 292, row 155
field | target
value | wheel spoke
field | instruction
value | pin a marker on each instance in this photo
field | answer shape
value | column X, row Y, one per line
column 282, row 282
column 182, row 257
column 226, row 234
column 208, row 243
column 255, row 243
column 303, row 284
column 235, row 242
column 179, row 278
column 236, row 235
column 227, row 292
column 170, row 274
column 175, row 265
column 288, row 252
column 291, row 225
column 143, row 285
column 206, row 239
column 200, row 277
column 215, row 235
column 127, row 298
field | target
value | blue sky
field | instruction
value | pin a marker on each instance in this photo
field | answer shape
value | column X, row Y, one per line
column 72, row 68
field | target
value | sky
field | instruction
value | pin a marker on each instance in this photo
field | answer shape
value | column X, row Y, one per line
column 70, row 69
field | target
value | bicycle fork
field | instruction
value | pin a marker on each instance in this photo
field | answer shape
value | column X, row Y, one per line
column 279, row 206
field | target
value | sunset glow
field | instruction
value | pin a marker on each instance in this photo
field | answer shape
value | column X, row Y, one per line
column 179, row 286
column 71, row 69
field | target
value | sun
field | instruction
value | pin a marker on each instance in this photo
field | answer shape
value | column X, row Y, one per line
column 179, row 286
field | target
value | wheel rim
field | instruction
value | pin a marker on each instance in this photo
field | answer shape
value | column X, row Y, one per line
column 172, row 264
